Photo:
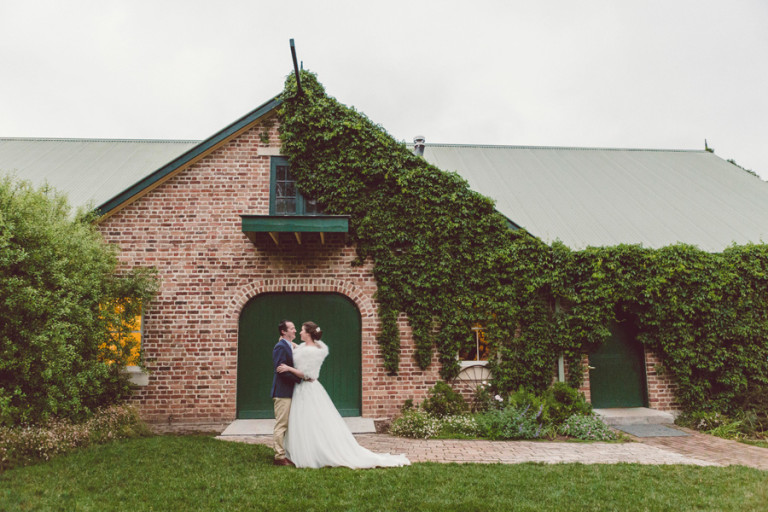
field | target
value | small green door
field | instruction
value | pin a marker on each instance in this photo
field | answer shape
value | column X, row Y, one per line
column 617, row 370
column 340, row 321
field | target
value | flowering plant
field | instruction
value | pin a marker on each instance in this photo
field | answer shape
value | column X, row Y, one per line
column 20, row 445
column 416, row 424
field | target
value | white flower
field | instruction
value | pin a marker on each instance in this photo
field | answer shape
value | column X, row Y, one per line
column 498, row 398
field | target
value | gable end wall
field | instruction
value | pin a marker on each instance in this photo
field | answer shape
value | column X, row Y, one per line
column 189, row 228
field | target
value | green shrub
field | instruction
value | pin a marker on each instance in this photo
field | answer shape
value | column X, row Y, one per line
column 702, row 420
column 754, row 403
column 732, row 429
column 65, row 321
column 21, row 445
column 524, row 398
column 754, row 425
column 588, row 428
column 415, row 424
column 743, row 425
column 492, row 424
column 562, row 401
column 511, row 423
column 555, row 404
column 444, row 401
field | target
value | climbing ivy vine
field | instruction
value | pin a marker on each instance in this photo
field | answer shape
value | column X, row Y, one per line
column 448, row 260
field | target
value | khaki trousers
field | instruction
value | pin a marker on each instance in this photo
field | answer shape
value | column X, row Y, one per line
column 282, row 410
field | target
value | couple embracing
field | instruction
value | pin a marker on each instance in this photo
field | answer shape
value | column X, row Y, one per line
column 309, row 431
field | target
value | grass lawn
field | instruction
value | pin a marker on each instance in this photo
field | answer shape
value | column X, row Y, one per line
column 201, row 473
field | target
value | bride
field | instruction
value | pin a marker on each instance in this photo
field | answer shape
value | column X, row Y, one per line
column 317, row 435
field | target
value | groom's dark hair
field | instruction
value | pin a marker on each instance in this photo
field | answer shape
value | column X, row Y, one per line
column 282, row 326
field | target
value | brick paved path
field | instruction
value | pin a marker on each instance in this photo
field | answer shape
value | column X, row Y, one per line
column 698, row 449
column 714, row 449
column 512, row 452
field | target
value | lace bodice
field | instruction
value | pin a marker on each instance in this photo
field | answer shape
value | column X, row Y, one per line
column 310, row 359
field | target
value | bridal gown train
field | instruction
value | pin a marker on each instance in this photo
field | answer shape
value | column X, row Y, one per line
column 317, row 435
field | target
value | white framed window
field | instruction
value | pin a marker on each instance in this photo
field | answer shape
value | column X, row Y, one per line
column 478, row 353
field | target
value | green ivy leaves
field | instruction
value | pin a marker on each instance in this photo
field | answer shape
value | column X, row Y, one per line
column 443, row 256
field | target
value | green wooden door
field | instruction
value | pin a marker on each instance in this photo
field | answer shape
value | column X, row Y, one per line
column 340, row 321
column 617, row 370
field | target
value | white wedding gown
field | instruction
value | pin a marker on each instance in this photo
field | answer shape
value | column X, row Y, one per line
column 317, row 435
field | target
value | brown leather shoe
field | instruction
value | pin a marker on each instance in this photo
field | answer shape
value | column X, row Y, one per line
column 283, row 462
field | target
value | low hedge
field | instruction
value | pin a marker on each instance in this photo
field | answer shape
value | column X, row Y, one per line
column 521, row 415
column 27, row 444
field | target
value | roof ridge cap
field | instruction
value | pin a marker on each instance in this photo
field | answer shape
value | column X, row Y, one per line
column 574, row 148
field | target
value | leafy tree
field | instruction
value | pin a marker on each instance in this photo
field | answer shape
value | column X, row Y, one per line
column 66, row 307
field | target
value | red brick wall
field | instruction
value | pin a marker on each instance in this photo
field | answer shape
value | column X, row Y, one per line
column 190, row 230
column 661, row 386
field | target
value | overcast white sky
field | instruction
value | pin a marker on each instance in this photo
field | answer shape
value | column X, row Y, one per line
column 589, row 73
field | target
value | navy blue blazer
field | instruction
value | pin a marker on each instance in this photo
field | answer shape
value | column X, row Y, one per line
column 282, row 383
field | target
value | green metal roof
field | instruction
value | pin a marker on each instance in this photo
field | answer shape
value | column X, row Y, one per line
column 90, row 171
column 595, row 197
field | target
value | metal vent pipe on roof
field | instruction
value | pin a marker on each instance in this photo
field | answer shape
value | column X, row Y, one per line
column 418, row 145
column 296, row 68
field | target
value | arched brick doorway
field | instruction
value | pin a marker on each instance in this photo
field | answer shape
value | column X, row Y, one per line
column 340, row 321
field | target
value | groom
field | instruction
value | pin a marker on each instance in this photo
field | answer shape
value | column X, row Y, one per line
column 282, row 388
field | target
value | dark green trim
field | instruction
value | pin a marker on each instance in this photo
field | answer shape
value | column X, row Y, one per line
column 295, row 223
column 273, row 163
column 190, row 155
column 511, row 225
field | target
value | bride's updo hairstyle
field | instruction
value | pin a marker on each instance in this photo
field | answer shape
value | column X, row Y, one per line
column 313, row 329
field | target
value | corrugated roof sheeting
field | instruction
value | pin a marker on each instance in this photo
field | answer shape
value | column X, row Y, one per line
column 90, row 171
column 583, row 197
column 597, row 197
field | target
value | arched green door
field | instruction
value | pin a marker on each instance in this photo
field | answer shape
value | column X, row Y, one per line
column 617, row 370
column 340, row 321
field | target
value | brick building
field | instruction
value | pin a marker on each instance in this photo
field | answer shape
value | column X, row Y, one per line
column 238, row 249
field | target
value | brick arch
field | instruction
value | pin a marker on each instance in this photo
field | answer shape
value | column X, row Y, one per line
column 362, row 301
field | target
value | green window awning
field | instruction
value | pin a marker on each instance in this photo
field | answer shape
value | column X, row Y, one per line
column 273, row 225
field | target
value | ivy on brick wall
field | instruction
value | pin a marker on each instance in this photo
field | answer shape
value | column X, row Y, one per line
column 447, row 259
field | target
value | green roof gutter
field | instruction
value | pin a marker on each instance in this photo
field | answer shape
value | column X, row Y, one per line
column 190, row 155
